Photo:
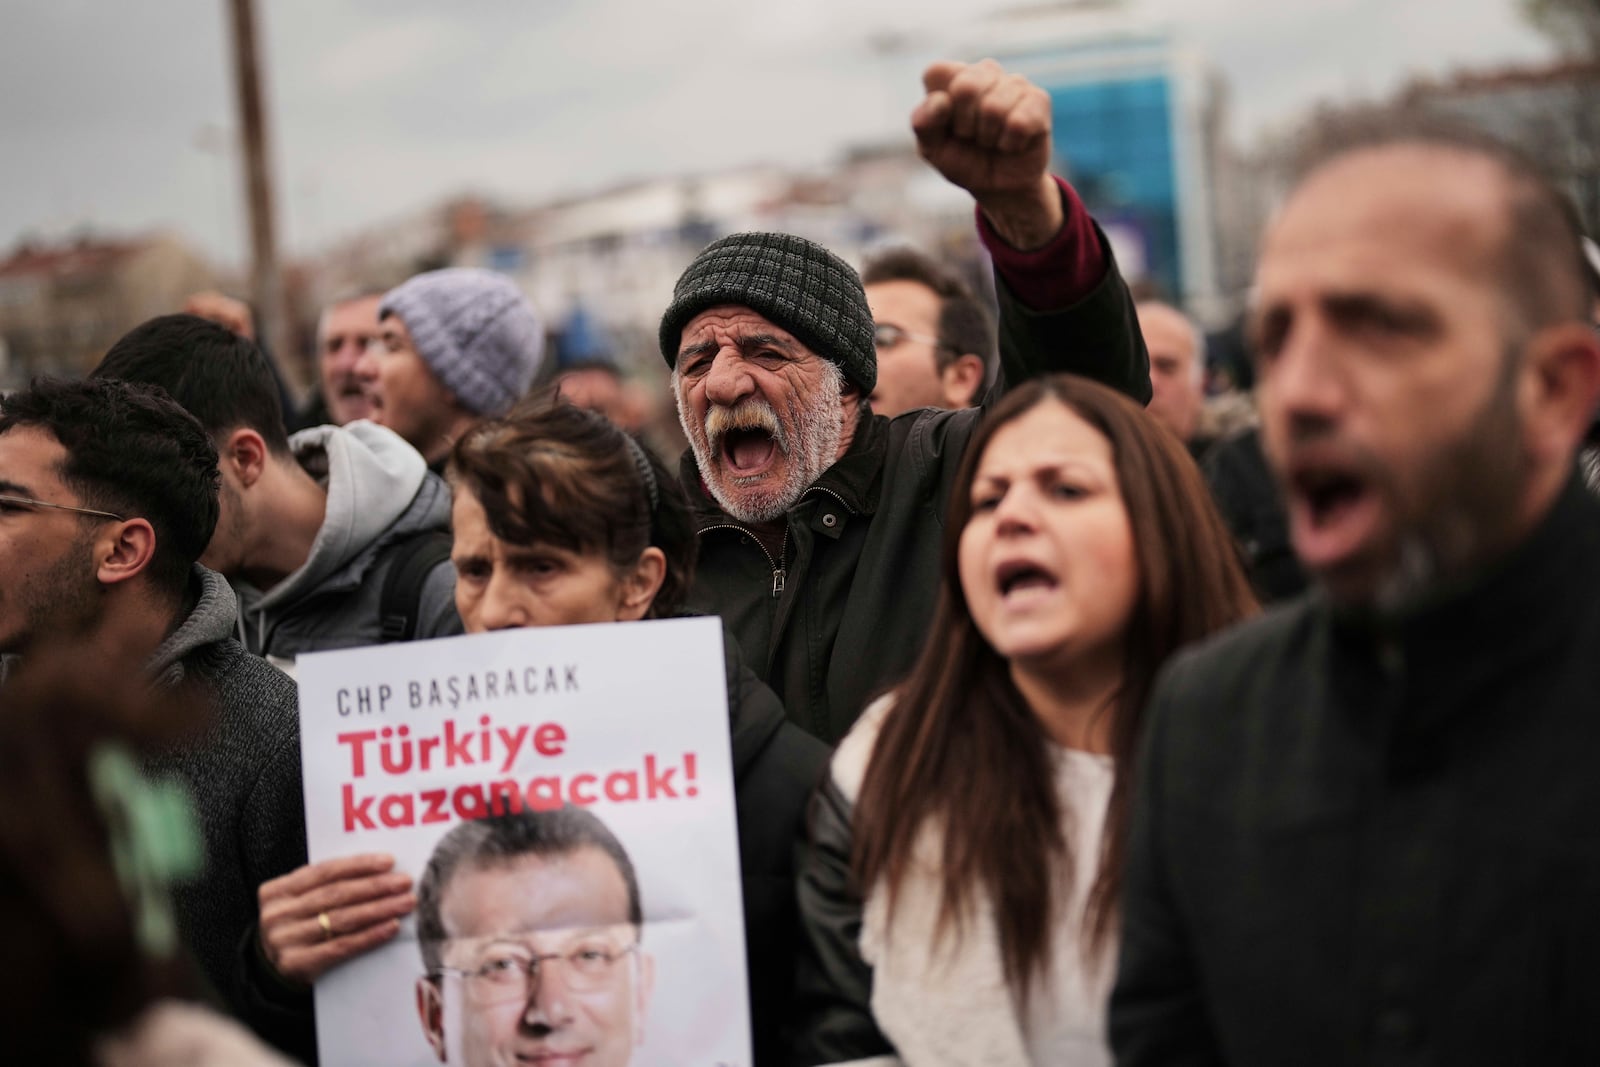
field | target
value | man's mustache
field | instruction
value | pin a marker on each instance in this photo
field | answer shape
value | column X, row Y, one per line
column 749, row 414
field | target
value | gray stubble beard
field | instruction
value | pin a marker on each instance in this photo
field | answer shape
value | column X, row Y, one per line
column 810, row 442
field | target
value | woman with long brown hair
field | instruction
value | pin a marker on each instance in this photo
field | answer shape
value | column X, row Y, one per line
column 960, row 895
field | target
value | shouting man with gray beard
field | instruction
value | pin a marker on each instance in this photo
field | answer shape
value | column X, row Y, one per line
column 820, row 522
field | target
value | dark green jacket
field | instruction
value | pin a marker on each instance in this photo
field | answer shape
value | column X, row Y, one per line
column 844, row 613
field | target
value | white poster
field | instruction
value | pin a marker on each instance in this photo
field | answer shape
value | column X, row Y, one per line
column 564, row 800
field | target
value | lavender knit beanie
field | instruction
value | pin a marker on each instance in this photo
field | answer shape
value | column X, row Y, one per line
column 475, row 330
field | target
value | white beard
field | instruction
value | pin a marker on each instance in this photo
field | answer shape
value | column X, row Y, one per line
column 809, row 442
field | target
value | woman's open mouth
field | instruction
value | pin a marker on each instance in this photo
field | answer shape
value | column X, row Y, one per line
column 1020, row 581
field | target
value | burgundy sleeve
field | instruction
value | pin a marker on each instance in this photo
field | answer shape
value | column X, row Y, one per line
column 1061, row 273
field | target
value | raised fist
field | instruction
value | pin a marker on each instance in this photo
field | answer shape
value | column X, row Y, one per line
column 984, row 129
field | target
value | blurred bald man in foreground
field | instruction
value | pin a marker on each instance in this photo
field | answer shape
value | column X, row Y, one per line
column 1364, row 823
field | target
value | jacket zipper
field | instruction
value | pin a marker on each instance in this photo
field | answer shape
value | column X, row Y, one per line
column 779, row 574
column 830, row 492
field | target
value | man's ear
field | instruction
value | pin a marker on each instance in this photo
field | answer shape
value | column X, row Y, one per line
column 962, row 381
column 430, row 1009
column 125, row 551
column 1560, row 389
column 639, row 589
column 243, row 454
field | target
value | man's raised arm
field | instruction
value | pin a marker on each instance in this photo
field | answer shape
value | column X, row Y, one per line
column 1063, row 304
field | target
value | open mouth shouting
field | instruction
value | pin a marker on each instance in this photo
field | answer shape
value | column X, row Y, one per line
column 1335, row 509
column 1022, row 582
column 747, row 439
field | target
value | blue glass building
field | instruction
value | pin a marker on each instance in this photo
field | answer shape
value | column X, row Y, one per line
column 1127, row 135
column 1114, row 141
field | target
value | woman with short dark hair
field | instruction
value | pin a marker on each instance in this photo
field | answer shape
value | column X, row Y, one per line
column 560, row 518
column 554, row 492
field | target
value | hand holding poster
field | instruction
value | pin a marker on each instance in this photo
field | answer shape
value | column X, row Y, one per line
column 564, row 799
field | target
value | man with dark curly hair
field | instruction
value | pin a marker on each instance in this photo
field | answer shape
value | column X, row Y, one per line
column 108, row 495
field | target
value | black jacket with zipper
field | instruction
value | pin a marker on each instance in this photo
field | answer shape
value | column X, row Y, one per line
column 1356, row 844
column 776, row 766
column 843, row 614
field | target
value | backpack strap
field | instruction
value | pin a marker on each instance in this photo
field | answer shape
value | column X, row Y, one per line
column 400, row 602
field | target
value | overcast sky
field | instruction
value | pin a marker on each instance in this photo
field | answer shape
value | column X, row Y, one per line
column 119, row 116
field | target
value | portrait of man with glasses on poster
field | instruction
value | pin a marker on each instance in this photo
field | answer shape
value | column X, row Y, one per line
column 529, row 926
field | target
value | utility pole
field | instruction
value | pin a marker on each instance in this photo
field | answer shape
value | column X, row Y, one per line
column 266, row 283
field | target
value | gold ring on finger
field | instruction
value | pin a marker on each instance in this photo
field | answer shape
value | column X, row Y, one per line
column 326, row 924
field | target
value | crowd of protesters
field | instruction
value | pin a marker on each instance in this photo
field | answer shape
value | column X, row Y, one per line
column 1024, row 773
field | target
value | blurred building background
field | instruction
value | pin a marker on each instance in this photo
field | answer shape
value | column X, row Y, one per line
column 1550, row 111
column 62, row 305
column 1141, row 128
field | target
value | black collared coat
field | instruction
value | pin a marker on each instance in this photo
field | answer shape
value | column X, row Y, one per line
column 1365, row 845
column 842, row 615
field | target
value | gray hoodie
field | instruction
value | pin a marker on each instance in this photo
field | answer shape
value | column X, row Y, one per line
column 380, row 495
column 210, row 620
column 243, row 776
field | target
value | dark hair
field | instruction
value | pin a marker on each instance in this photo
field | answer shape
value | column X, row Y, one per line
column 1542, row 263
column 501, row 839
column 133, row 452
column 220, row 378
column 553, row 473
column 964, row 748
column 965, row 322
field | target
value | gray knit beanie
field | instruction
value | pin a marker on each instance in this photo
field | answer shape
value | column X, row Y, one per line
column 797, row 284
column 475, row 330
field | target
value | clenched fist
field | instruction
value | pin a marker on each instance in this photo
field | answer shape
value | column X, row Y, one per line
column 989, row 132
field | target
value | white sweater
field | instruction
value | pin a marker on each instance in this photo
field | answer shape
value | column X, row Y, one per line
column 947, row 1003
